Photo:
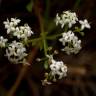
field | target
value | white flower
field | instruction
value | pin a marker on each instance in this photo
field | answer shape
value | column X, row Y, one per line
column 2, row 41
column 15, row 21
column 16, row 52
column 84, row 24
column 57, row 20
column 66, row 17
column 67, row 37
column 23, row 32
column 10, row 25
column 58, row 68
column 73, row 44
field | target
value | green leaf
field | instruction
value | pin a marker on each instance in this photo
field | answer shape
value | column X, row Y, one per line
column 41, row 45
column 29, row 6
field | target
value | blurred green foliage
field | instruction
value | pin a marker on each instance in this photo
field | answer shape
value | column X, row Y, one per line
column 29, row 6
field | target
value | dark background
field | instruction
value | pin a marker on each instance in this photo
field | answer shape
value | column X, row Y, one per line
column 82, row 67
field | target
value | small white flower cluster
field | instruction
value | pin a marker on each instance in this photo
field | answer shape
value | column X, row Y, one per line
column 66, row 18
column 21, row 32
column 58, row 68
column 69, row 40
column 70, row 18
column 73, row 44
column 16, row 52
column 10, row 25
column 3, row 41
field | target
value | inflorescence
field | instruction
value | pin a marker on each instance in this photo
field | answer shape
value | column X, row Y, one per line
column 16, row 50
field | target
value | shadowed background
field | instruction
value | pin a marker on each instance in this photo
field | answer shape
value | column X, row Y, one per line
column 81, row 67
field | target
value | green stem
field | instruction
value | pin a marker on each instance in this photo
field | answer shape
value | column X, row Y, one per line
column 43, row 34
column 31, row 41
column 44, row 42
column 34, row 40
column 53, row 36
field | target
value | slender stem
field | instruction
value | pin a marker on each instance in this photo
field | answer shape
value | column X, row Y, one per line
column 45, row 47
column 44, row 42
column 41, row 22
column 43, row 35
column 34, row 40
column 53, row 36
